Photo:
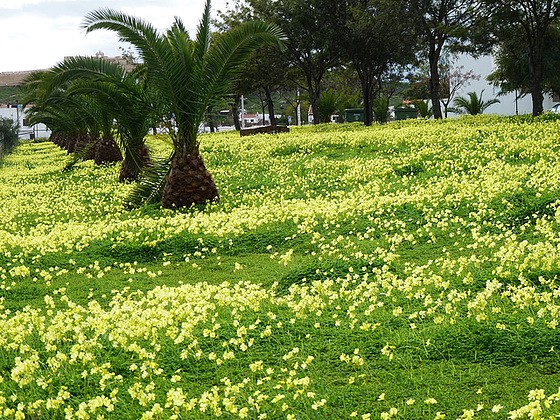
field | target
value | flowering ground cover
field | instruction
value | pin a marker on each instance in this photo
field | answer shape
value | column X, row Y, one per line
column 407, row 271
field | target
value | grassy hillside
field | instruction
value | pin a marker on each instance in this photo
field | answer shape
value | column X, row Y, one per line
column 407, row 271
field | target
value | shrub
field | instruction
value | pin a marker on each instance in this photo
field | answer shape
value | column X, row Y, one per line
column 8, row 135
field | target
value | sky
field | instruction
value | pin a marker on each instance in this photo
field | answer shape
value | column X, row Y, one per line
column 37, row 34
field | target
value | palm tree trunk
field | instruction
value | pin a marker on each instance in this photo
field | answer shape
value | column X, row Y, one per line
column 133, row 163
column 107, row 151
column 188, row 182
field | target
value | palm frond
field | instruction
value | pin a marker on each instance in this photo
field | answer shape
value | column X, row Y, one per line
column 203, row 34
column 231, row 49
column 142, row 35
column 150, row 188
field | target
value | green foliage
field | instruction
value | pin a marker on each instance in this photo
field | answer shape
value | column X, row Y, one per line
column 424, row 109
column 8, row 135
column 8, row 94
column 347, row 272
column 329, row 104
column 381, row 109
column 473, row 105
column 512, row 72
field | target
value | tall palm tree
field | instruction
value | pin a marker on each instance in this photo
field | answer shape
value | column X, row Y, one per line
column 472, row 105
column 188, row 76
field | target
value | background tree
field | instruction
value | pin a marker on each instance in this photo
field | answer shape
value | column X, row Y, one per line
column 265, row 71
column 444, row 24
column 531, row 22
column 519, row 68
column 8, row 135
column 311, row 28
column 375, row 39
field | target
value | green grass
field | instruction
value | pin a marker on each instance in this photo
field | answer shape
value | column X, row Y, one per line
column 396, row 271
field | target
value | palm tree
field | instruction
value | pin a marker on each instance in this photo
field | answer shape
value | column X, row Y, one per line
column 120, row 93
column 472, row 105
column 79, row 122
column 188, row 76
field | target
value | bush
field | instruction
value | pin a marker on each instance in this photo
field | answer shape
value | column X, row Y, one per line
column 8, row 135
column 381, row 109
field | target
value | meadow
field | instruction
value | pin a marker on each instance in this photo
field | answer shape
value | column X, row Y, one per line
column 405, row 271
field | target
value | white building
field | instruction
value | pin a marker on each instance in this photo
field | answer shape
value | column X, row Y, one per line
column 17, row 114
column 256, row 119
column 509, row 104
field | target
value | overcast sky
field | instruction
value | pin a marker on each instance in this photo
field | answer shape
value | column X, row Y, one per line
column 36, row 34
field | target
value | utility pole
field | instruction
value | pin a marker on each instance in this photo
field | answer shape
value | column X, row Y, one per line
column 242, row 111
column 298, row 109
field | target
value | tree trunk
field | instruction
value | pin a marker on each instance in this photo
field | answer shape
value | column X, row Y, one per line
column 433, row 57
column 188, row 182
column 367, row 95
column 107, row 151
column 235, row 112
column 133, row 164
column 210, row 119
column 270, row 106
column 85, row 146
column 536, row 73
column 538, row 99
column 314, row 91
column 69, row 142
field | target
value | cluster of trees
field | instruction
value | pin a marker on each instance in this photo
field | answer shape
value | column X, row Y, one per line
column 95, row 106
column 91, row 103
column 387, row 41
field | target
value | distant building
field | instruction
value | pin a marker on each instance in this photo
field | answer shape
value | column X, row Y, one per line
column 256, row 119
column 13, row 78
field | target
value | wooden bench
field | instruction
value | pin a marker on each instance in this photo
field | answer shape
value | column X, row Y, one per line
column 266, row 129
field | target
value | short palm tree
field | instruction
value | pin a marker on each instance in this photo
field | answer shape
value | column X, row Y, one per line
column 188, row 76
column 472, row 105
column 79, row 122
column 123, row 95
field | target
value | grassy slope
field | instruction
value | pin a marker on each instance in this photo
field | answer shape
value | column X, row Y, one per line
column 413, row 262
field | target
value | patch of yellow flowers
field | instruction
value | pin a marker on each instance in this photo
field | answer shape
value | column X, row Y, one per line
column 52, row 354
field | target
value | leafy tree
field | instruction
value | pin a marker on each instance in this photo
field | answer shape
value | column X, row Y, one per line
column 311, row 28
column 514, row 71
column 444, row 24
column 530, row 22
column 8, row 135
column 265, row 71
column 472, row 105
column 188, row 77
column 375, row 39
